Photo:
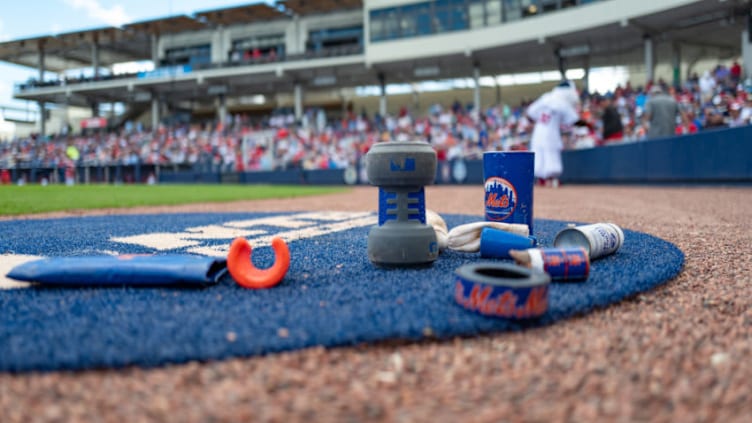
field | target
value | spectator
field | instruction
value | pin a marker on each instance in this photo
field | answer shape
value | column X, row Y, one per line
column 735, row 72
column 690, row 124
column 721, row 74
column 613, row 130
column 707, row 87
column 583, row 137
column 746, row 113
column 735, row 115
column 661, row 111
column 712, row 118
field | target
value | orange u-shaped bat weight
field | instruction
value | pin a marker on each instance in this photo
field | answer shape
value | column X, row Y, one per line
column 247, row 275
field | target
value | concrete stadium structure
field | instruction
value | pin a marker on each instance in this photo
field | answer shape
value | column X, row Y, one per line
column 298, row 53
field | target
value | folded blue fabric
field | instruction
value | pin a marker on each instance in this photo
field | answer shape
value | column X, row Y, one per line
column 128, row 269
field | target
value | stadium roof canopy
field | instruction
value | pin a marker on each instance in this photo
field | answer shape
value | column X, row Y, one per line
column 132, row 42
column 240, row 14
column 169, row 25
column 310, row 7
column 74, row 49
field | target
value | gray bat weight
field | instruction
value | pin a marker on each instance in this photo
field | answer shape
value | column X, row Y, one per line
column 401, row 170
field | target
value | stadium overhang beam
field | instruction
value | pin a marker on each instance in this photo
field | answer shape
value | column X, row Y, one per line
column 313, row 7
column 73, row 50
column 259, row 12
column 169, row 25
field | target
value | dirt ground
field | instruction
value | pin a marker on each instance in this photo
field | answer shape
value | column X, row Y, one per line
column 680, row 353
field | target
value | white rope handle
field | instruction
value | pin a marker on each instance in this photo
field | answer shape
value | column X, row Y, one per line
column 440, row 226
column 466, row 237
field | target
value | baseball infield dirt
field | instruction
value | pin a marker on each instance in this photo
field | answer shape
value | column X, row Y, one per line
column 680, row 353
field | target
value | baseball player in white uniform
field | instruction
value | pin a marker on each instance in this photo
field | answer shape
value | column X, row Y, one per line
column 552, row 110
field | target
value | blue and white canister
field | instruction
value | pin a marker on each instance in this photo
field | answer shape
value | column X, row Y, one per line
column 562, row 264
column 598, row 239
column 508, row 183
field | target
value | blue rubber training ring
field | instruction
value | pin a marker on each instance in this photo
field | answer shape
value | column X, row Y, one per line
column 502, row 290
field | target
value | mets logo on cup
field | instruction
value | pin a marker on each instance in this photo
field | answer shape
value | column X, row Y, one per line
column 501, row 198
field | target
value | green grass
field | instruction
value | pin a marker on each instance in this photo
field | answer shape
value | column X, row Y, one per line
column 38, row 199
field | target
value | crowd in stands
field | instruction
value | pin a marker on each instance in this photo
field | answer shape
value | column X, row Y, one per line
column 718, row 98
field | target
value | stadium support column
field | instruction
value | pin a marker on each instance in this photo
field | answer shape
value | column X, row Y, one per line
column 218, row 50
column 95, row 59
column 41, row 62
column 155, row 50
column 382, row 99
column 416, row 97
column 747, row 47
column 42, row 119
column 154, row 112
column 649, row 59
column 298, row 101
column 222, row 109
column 562, row 62
column 476, row 90
column 676, row 63
column 42, row 108
column 586, row 77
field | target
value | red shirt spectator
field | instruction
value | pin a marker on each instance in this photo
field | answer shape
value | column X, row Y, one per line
column 5, row 177
column 686, row 128
column 735, row 72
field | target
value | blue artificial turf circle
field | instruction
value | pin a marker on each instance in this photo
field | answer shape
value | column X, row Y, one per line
column 332, row 296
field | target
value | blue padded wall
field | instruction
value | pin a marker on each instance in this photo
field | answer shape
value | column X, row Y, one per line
column 722, row 155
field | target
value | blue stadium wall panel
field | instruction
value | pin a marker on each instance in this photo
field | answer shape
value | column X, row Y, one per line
column 189, row 177
column 723, row 155
column 324, row 177
column 292, row 176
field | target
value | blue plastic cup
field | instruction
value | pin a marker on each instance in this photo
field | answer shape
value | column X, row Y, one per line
column 508, row 182
column 495, row 243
